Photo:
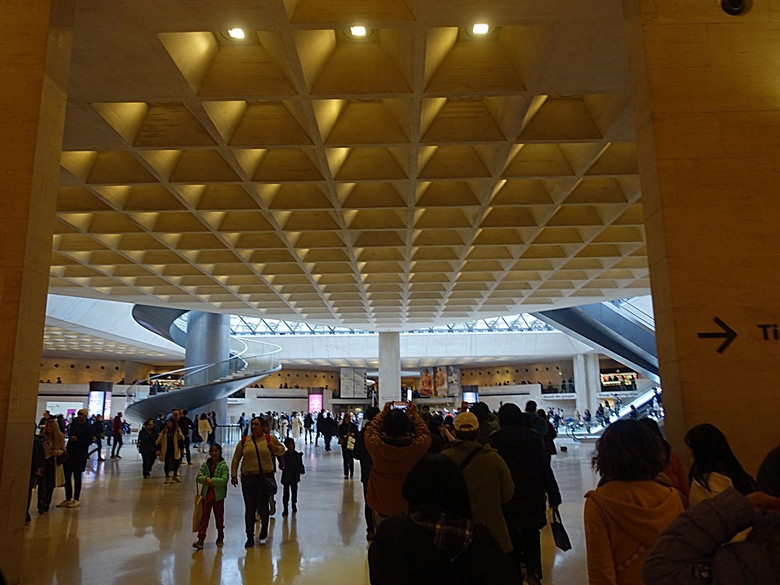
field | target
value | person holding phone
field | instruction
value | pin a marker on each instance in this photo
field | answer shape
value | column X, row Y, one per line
column 395, row 440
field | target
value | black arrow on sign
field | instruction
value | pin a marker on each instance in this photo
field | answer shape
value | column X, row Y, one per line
column 728, row 334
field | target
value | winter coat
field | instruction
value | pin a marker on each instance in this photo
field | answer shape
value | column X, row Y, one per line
column 406, row 553
column 345, row 431
column 392, row 459
column 79, row 440
column 490, row 485
column 147, row 440
column 219, row 479
column 699, row 543
column 534, row 479
column 293, row 467
column 768, row 477
column 178, row 442
column 623, row 520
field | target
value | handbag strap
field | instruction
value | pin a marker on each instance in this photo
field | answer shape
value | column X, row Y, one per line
column 259, row 464
column 556, row 516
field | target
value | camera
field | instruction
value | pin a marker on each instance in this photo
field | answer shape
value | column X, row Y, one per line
column 400, row 405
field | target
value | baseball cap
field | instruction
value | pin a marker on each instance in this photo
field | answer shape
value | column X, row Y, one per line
column 466, row 421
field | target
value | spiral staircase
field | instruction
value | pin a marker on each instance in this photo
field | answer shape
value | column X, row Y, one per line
column 197, row 385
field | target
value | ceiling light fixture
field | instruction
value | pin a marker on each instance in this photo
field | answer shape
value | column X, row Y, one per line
column 358, row 31
column 480, row 28
column 236, row 33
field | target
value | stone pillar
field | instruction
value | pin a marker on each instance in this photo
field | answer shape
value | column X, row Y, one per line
column 586, row 381
column 208, row 342
column 707, row 115
column 389, row 367
column 35, row 47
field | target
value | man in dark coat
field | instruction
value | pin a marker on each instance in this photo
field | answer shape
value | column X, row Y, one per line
column 529, row 465
column 80, row 436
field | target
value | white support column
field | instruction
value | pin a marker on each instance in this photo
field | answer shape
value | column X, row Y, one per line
column 389, row 367
column 586, row 381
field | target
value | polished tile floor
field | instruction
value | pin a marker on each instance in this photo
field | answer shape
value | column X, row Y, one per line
column 131, row 530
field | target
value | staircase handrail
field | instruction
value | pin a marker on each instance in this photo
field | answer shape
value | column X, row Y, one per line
column 208, row 373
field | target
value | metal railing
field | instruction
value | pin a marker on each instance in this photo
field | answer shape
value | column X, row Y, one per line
column 236, row 366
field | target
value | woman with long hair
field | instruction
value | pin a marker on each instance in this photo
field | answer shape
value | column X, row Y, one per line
column 715, row 467
column 53, row 446
column 171, row 445
column 629, row 510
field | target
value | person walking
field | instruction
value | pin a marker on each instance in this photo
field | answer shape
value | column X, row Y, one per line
column 308, row 424
column 291, row 475
column 79, row 440
column 329, row 428
column 360, row 452
column 204, row 430
column 213, row 475
column 171, row 443
column 147, row 446
column 98, row 431
column 254, row 454
column 347, row 433
column 535, row 485
column 186, row 425
column 116, row 433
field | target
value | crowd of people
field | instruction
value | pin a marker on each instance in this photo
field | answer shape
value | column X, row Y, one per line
column 462, row 497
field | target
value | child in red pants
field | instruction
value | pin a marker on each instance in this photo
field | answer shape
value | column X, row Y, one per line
column 213, row 474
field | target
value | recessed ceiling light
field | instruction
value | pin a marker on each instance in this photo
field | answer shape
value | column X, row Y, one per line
column 480, row 28
column 236, row 33
column 358, row 31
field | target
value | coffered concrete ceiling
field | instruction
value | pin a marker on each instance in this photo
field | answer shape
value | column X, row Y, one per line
column 419, row 175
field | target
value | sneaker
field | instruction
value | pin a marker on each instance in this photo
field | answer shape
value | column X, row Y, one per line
column 220, row 538
column 101, row 458
column 263, row 532
column 177, row 479
column 64, row 503
column 74, row 504
column 285, row 512
column 113, row 457
column 118, row 456
column 250, row 542
column 198, row 544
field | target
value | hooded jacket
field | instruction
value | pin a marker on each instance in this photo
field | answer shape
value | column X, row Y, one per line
column 623, row 520
column 698, row 547
column 392, row 459
column 455, row 552
column 530, row 467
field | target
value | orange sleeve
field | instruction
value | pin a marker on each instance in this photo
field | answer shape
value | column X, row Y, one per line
column 601, row 565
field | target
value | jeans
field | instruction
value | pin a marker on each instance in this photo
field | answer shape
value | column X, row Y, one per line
column 148, row 462
column 349, row 461
column 255, row 502
column 290, row 489
column 117, row 445
column 72, row 491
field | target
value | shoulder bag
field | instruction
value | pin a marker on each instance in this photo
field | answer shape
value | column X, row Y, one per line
column 268, row 480
column 197, row 511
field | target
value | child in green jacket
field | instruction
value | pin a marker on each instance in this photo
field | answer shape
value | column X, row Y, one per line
column 214, row 475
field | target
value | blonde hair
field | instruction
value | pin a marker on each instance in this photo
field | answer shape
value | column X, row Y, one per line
column 57, row 440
